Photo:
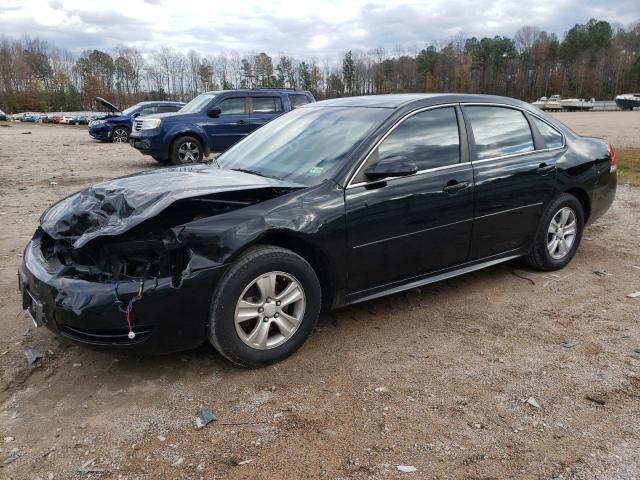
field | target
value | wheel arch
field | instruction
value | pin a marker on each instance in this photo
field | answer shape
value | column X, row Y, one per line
column 583, row 197
column 299, row 245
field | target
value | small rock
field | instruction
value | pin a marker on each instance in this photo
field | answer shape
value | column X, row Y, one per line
column 634, row 295
column 162, row 438
column 533, row 402
column 568, row 343
column 8, row 439
column 15, row 455
column 76, row 365
column 381, row 390
column 204, row 417
column 179, row 461
column 636, row 350
column 406, row 468
column 32, row 356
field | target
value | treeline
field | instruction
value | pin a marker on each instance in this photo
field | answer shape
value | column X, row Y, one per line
column 592, row 60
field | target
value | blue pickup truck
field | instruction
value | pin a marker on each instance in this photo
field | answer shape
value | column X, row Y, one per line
column 211, row 122
column 116, row 126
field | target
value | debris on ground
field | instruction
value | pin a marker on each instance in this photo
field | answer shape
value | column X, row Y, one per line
column 533, row 402
column 89, row 467
column 204, row 417
column 407, row 468
column 32, row 356
column 567, row 343
column 599, row 398
column 244, row 462
column 179, row 461
column 381, row 390
column 636, row 350
column 13, row 456
column 602, row 273
column 634, row 295
column 8, row 439
column 26, row 133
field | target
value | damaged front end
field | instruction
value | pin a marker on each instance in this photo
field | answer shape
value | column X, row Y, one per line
column 107, row 267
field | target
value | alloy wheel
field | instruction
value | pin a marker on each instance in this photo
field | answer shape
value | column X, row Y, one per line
column 270, row 310
column 561, row 233
column 188, row 152
column 120, row 135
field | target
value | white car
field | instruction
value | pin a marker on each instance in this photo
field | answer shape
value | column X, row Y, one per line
column 68, row 119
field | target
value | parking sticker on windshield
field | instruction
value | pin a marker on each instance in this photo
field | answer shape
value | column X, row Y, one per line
column 315, row 171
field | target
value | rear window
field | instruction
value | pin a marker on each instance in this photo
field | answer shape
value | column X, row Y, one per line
column 552, row 137
column 267, row 104
column 298, row 100
column 499, row 131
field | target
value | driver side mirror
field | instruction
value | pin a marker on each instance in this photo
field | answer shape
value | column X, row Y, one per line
column 137, row 114
column 398, row 166
column 214, row 112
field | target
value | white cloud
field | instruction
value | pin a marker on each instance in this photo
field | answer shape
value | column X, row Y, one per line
column 320, row 28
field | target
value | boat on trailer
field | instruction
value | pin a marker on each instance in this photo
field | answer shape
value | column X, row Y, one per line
column 628, row 101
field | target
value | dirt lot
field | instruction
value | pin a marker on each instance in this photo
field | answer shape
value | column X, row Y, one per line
column 468, row 378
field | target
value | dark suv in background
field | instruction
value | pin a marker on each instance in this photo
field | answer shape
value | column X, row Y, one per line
column 116, row 126
column 211, row 122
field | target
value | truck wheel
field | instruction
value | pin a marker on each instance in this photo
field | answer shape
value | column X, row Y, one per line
column 265, row 307
column 120, row 135
column 558, row 235
column 186, row 150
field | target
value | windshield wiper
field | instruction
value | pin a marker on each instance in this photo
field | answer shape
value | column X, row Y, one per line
column 253, row 172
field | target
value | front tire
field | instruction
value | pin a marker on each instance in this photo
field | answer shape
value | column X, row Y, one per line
column 120, row 135
column 186, row 150
column 265, row 307
column 558, row 235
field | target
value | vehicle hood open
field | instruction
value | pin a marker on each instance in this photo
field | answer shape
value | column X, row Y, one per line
column 107, row 104
column 116, row 206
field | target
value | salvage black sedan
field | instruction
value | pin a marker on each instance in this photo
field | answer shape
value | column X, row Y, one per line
column 335, row 203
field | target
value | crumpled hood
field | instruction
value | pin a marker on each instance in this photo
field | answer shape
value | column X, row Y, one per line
column 116, row 206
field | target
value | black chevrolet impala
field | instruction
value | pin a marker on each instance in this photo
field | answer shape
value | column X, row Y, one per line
column 335, row 203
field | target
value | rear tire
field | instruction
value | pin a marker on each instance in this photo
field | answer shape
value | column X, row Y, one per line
column 186, row 150
column 559, row 234
column 265, row 307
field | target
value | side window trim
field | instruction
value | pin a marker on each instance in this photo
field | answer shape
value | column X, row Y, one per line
column 526, row 113
column 462, row 135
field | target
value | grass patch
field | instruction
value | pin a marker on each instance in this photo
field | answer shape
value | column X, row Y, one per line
column 628, row 165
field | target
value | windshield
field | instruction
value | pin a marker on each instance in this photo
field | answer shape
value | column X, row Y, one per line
column 306, row 146
column 197, row 103
column 132, row 109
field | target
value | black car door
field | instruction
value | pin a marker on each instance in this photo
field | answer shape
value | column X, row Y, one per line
column 404, row 227
column 514, row 180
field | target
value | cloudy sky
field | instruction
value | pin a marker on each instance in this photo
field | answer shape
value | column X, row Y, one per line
column 301, row 28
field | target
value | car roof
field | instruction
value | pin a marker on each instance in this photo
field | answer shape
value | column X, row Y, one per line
column 259, row 90
column 397, row 100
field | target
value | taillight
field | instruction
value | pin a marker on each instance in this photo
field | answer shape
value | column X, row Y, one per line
column 612, row 159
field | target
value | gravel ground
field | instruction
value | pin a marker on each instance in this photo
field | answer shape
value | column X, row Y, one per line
column 502, row 373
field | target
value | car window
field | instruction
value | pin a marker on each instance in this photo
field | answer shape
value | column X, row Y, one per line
column 298, row 100
column 233, row 106
column 499, row 131
column 430, row 139
column 167, row 108
column 552, row 137
column 147, row 111
column 266, row 104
